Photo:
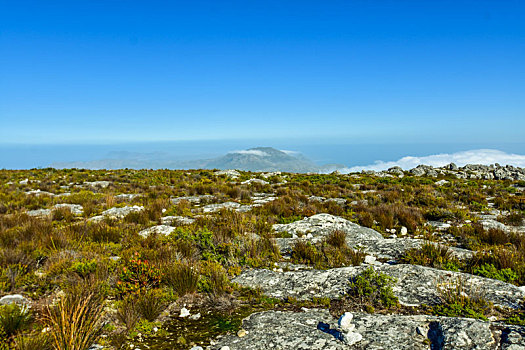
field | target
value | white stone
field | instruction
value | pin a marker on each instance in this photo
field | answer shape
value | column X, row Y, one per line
column 345, row 321
column 369, row 259
column 14, row 299
column 403, row 231
column 184, row 312
column 225, row 347
column 351, row 338
column 195, row 317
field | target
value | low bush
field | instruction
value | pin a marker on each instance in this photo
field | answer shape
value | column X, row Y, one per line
column 458, row 299
column 432, row 255
column 371, row 289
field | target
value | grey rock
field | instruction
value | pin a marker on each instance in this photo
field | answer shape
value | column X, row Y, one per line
column 127, row 196
column 415, row 284
column 229, row 173
column 513, row 338
column 212, row 208
column 205, row 198
column 76, row 209
column 317, row 329
column 38, row 193
column 95, row 184
column 177, row 220
column 255, row 181
column 317, row 227
column 158, row 229
column 321, row 225
column 119, row 213
column 40, row 213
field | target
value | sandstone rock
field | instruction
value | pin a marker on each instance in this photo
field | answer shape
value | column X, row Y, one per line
column 40, row 213
column 255, row 181
column 372, row 242
column 315, row 329
column 127, row 196
column 205, row 198
column 39, row 193
column 95, row 184
column 158, row 229
column 229, row 173
column 177, row 220
column 321, row 225
column 14, row 299
column 119, row 213
column 415, row 284
column 211, row 208
column 76, row 209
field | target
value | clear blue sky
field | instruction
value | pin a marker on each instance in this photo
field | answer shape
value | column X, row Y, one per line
column 363, row 70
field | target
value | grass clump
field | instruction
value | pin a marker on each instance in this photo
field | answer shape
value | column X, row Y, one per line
column 182, row 277
column 13, row 319
column 74, row 321
column 458, row 299
column 331, row 252
column 432, row 255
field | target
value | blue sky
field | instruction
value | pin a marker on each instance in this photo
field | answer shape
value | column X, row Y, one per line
column 359, row 71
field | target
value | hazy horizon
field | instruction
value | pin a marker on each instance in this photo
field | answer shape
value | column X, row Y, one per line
column 321, row 152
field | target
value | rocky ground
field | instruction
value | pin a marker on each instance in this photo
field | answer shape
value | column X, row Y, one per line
column 278, row 299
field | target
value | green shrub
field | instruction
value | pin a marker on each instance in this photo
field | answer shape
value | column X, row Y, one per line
column 84, row 268
column 371, row 289
column 490, row 271
column 433, row 255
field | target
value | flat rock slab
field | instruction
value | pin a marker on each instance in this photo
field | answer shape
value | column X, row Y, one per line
column 315, row 228
column 317, row 329
column 321, row 225
column 75, row 209
column 163, row 230
column 177, row 220
column 415, row 284
column 119, row 213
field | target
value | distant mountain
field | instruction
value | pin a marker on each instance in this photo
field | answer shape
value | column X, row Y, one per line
column 264, row 159
column 253, row 159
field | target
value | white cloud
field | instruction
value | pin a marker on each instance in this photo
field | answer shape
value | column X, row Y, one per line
column 254, row 152
column 478, row 156
column 290, row 153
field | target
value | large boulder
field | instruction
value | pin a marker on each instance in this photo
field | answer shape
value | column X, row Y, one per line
column 317, row 329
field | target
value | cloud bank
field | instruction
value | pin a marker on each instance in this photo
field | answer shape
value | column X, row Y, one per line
column 254, row 152
column 478, row 156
